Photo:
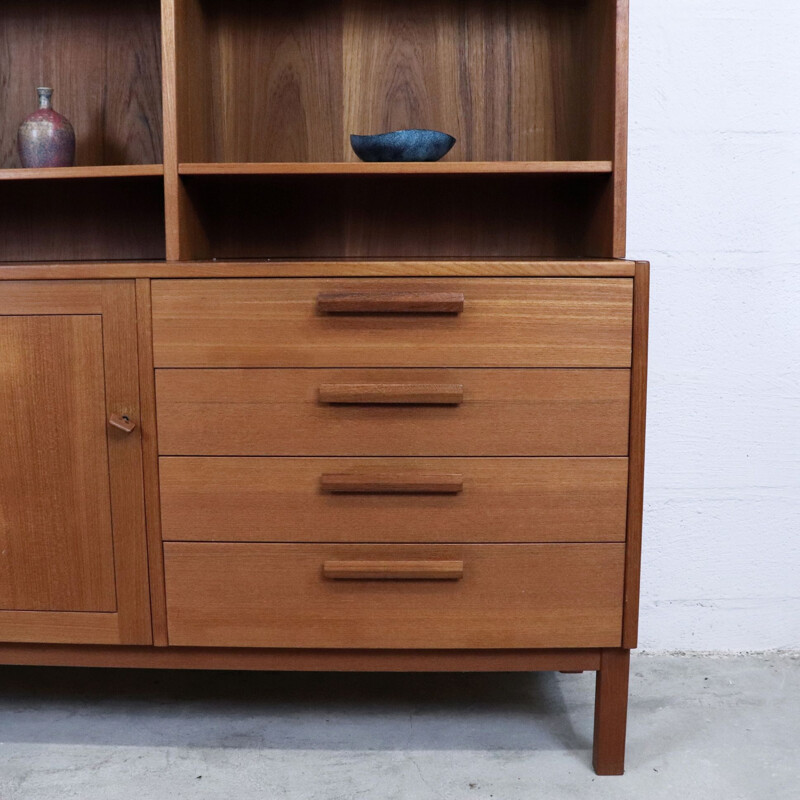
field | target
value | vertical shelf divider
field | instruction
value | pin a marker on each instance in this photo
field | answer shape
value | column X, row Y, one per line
column 169, row 71
column 186, row 239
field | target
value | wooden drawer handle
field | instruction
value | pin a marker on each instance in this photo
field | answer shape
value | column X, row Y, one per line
column 393, row 570
column 122, row 422
column 391, row 483
column 391, row 303
column 431, row 394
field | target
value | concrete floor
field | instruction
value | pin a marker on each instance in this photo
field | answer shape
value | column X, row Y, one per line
column 700, row 727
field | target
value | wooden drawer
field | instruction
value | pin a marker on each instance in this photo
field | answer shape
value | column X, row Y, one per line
column 503, row 412
column 394, row 499
column 505, row 322
column 363, row 596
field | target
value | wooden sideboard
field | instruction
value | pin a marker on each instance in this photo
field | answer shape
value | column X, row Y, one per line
column 325, row 472
column 268, row 407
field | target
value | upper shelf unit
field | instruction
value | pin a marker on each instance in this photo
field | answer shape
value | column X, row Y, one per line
column 260, row 99
column 269, row 81
column 267, row 93
column 103, row 60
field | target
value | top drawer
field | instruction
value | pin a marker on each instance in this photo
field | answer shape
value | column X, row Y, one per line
column 429, row 322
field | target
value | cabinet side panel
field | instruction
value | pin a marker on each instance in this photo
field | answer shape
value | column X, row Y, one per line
column 641, row 299
column 621, row 132
column 607, row 46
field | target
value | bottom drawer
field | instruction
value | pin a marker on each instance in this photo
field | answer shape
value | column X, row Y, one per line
column 394, row 596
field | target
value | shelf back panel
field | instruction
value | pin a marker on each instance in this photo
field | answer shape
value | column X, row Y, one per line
column 105, row 219
column 290, row 80
column 440, row 216
column 103, row 59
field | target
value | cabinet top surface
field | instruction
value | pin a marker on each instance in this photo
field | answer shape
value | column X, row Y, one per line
column 592, row 268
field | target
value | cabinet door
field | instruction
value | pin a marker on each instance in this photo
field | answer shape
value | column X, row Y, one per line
column 73, row 562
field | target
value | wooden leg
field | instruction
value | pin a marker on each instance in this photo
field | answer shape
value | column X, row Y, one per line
column 611, row 712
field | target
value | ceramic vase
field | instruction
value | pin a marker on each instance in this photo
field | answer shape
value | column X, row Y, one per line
column 45, row 138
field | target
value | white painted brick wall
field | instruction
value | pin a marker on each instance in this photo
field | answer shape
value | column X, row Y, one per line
column 714, row 204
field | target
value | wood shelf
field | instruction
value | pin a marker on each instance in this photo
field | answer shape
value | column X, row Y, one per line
column 401, row 168
column 117, row 171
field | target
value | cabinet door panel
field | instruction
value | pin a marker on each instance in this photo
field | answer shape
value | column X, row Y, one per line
column 73, row 557
column 56, row 546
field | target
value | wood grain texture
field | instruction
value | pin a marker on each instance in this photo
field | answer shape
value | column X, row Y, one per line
column 169, row 55
column 504, row 413
column 397, row 570
column 82, row 219
column 60, row 627
column 121, row 371
column 600, row 58
column 619, row 222
column 399, row 168
column 31, row 298
column 513, row 81
column 104, row 65
column 307, row 660
column 530, row 323
column 392, row 394
column 149, row 434
column 508, row 79
column 601, row 47
column 117, row 466
column 122, row 423
column 187, row 120
column 374, row 302
column 630, row 630
column 63, row 173
column 400, row 482
column 191, row 52
column 501, row 500
column 609, row 41
column 275, row 86
column 270, row 595
column 433, row 216
column 56, row 546
column 611, row 712
column 470, row 268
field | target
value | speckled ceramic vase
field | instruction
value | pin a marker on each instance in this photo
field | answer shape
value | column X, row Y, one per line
column 46, row 139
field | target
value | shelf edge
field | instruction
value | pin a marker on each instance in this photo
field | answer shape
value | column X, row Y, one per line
column 83, row 173
column 400, row 168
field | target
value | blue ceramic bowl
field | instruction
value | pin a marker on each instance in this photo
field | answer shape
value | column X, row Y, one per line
column 411, row 145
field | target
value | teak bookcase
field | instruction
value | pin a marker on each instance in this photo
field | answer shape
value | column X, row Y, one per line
column 268, row 407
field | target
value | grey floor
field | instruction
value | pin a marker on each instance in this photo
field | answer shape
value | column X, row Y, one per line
column 699, row 727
